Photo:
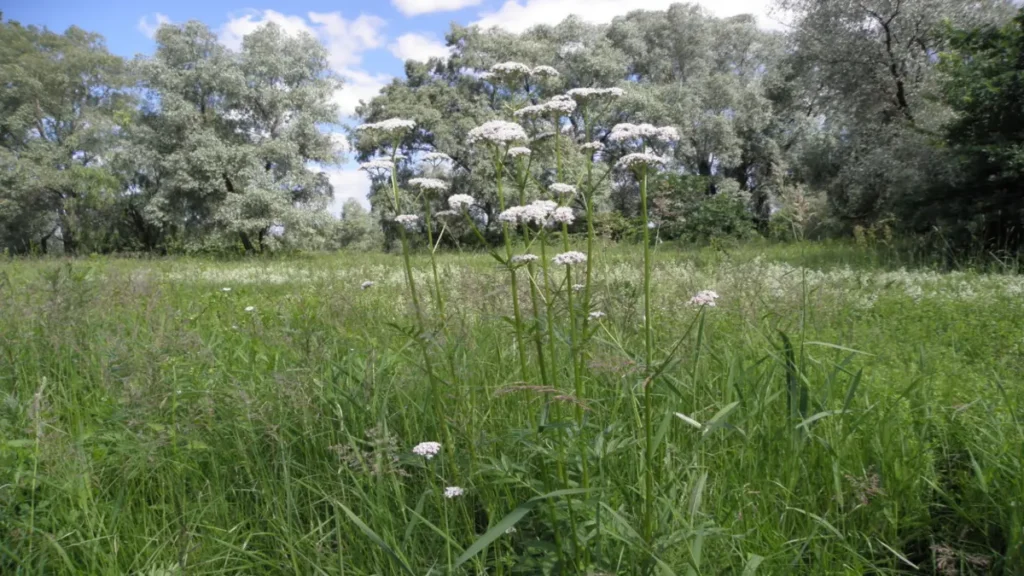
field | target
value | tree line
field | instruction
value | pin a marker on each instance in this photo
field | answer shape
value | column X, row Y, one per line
column 891, row 116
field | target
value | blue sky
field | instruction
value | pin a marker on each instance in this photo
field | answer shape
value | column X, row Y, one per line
column 367, row 41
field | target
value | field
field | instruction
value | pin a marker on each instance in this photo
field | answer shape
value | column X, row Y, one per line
column 833, row 413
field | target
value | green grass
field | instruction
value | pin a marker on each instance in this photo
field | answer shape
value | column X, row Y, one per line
column 854, row 418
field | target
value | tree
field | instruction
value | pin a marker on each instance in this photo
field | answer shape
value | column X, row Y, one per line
column 60, row 104
column 226, row 145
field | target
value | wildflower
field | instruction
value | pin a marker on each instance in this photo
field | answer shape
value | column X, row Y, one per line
column 436, row 158
column 510, row 215
column 560, row 189
column 596, row 315
column 578, row 287
column 453, row 492
column 225, row 289
column 497, row 132
column 704, row 298
column 517, row 151
column 428, row 184
column 427, row 449
column 460, row 201
column 544, row 72
column 365, row 285
column 250, row 308
column 379, row 166
column 652, row 225
column 569, row 258
column 510, row 69
column 639, row 159
column 409, row 221
column 559, row 104
column 587, row 94
column 563, row 215
column 511, row 530
column 592, row 146
column 630, row 132
column 389, row 127
column 537, row 212
column 520, row 259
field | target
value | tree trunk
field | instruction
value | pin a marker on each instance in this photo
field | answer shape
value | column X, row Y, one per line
column 246, row 242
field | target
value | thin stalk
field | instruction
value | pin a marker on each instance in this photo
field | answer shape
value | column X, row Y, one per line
column 498, row 168
column 648, row 363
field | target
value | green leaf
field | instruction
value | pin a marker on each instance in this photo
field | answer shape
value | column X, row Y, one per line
column 376, row 538
column 752, row 563
column 718, row 420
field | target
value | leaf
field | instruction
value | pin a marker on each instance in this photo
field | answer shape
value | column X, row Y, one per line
column 688, row 420
column 837, row 347
column 817, row 417
column 510, row 519
column 752, row 563
column 375, row 538
column 718, row 420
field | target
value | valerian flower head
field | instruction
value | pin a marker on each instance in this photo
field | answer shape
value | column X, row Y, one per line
column 578, row 287
column 704, row 298
column 638, row 160
column 460, row 201
column 627, row 133
column 517, row 151
column 560, row 189
column 453, row 492
column 436, row 158
column 582, row 95
column 391, row 127
column 379, row 167
column 510, row 215
column 520, row 259
column 409, row 221
column 427, row 449
column 592, row 146
column 497, row 132
column 510, row 70
column 544, row 72
column 560, row 105
column 596, row 315
column 569, row 258
column 428, row 184
column 563, row 215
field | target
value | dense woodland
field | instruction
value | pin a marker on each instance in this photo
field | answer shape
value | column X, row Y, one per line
column 896, row 118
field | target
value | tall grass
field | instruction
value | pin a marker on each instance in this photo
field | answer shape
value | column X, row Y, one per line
column 818, row 420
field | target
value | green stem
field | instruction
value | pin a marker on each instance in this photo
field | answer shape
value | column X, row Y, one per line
column 498, row 166
column 648, row 363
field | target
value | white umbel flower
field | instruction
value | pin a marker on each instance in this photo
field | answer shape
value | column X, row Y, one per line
column 510, row 69
column 517, row 151
column 460, row 201
column 544, row 72
column 409, row 221
column 563, row 215
column 569, row 258
column 596, row 315
column 497, row 132
column 510, row 215
column 632, row 132
column 365, row 285
column 588, row 94
column 638, row 160
column 389, row 127
column 427, row 449
column 377, row 166
column 704, row 298
column 520, row 259
column 436, row 158
column 560, row 189
column 562, row 105
column 453, row 492
column 592, row 146
column 578, row 287
column 428, row 184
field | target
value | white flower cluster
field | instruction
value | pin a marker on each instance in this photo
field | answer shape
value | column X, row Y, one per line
column 428, row 184
column 544, row 72
column 517, row 151
column 561, row 104
column 578, row 287
column 497, row 132
column 632, row 132
column 366, row 284
column 520, row 259
column 380, row 166
column 596, row 315
column 460, row 201
column 409, row 221
column 638, row 159
column 592, row 146
column 537, row 212
column 510, row 69
column 559, row 189
column 704, row 298
column 427, row 449
column 436, row 157
column 563, row 215
column 585, row 94
column 569, row 258
column 389, row 127
column 453, row 492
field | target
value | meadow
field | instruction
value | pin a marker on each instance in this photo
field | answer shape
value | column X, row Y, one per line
column 834, row 412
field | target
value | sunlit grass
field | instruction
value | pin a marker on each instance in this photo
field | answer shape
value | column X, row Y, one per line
column 827, row 416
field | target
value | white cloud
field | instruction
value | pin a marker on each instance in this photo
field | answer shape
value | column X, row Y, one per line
column 518, row 15
column 345, row 40
column 414, row 7
column 419, row 47
column 149, row 24
column 348, row 182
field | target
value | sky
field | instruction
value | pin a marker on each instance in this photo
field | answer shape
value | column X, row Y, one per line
column 368, row 42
